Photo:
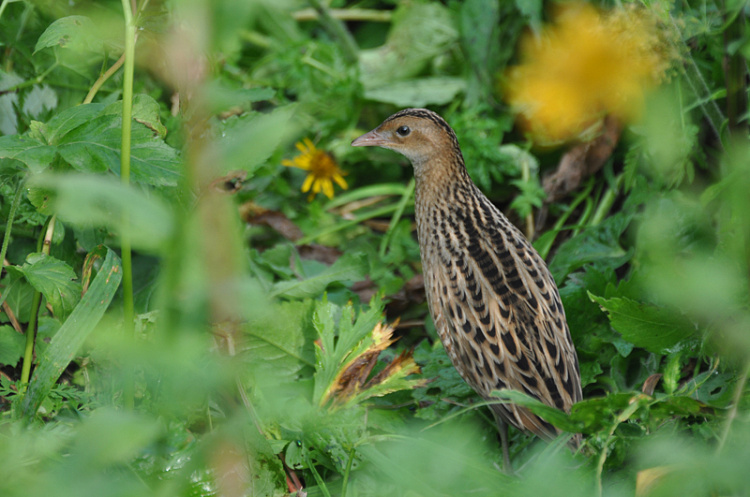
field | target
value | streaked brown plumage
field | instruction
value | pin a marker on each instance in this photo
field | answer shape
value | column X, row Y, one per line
column 491, row 296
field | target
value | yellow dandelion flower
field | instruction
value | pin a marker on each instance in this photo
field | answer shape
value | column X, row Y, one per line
column 586, row 65
column 321, row 167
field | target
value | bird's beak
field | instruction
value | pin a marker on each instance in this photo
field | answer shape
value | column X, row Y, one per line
column 371, row 139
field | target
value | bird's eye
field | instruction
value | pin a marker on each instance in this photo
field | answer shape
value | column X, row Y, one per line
column 403, row 131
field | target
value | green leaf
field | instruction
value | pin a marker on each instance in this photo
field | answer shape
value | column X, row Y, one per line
column 12, row 346
column 419, row 33
column 90, row 200
column 109, row 436
column 36, row 155
column 72, row 32
column 146, row 111
column 95, row 147
column 279, row 341
column 332, row 354
column 74, row 331
column 418, row 92
column 54, row 279
column 349, row 267
column 67, row 120
column 656, row 329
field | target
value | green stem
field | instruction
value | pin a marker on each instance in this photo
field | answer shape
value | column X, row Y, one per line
column 371, row 15
column 33, row 81
column 346, row 472
column 397, row 217
column 28, row 357
column 318, row 479
column 624, row 416
column 9, row 224
column 544, row 249
column 127, row 108
column 103, row 78
column 606, row 202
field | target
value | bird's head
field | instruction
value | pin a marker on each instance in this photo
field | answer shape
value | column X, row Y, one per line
column 418, row 134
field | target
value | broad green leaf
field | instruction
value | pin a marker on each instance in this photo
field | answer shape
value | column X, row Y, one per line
column 418, row 92
column 420, row 31
column 12, row 345
column 72, row 32
column 36, row 155
column 656, row 329
column 17, row 293
column 54, row 279
column 598, row 244
column 349, row 267
column 74, row 331
column 479, row 22
column 95, row 147
column 279, row 341
column 67, row 120
column 91, row 200
column 145, row 111
column 110, row 436
column 223, row 97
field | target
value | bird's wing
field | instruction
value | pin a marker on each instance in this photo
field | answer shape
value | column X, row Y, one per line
column 498, row 309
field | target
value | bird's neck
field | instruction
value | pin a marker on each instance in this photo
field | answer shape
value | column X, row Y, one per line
column 442, row 183
column 438, row 176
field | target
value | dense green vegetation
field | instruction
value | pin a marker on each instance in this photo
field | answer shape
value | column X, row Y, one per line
column 178, row 318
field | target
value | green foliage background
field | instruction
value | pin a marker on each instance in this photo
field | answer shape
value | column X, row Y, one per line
column 218, row 384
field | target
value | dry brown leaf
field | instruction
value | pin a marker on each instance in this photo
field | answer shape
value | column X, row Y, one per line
column 582, row 161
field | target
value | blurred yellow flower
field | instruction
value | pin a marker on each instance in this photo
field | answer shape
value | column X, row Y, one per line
column 321, row 167
column 588, row 64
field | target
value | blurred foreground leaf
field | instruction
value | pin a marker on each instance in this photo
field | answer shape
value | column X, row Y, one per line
column 90, row 200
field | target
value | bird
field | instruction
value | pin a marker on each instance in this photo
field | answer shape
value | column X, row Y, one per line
column 493, row 300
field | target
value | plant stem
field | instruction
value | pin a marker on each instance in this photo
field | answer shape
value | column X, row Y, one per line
column 127, row 108
column 28, row 356
column 318, row 479
column 372, row 15
column 397, row 216
column 346, row 473
column 624, row 416
column 605, row 204
column 9, row 224
column 103, row 78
